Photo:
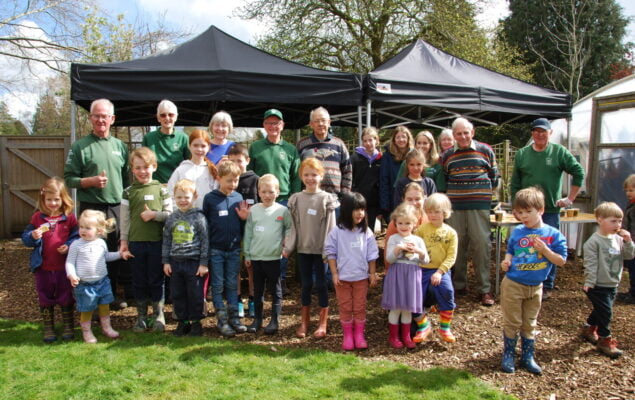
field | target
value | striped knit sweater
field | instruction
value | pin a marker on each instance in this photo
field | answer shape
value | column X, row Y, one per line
column 332, row 152
column 87, row 259
column 470, row 174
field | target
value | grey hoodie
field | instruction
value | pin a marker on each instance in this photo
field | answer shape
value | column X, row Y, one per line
column 185, row 237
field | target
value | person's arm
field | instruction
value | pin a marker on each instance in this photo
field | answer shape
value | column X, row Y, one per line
column 167, row 206
column 493, row 170
column 451, row 250
column 549, row 254
column 124, row 218
column 591, row 259
column 385, row 191
column 203, row 231
column 516, row 176
column 295, row 184
column 166, row 244
column 71, row 262
column 125, row 168
column 391, row 245
column 330, row 217
column 397, row 193
column 249, row 233
column 31, row 237
column 347, row 171
column 290, row 239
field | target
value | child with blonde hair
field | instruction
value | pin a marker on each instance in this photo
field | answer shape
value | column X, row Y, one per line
column 415, row 165
column 86, row 270
column 402, row 285
column 441, row 242
column 313, row 213
column 604, row 255
column 53, row 227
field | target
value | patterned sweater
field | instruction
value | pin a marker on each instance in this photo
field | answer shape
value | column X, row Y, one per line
column 334, row 156
column 470, row 175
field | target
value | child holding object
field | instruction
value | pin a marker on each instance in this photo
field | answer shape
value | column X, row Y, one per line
column 402, row 285
column 352, row 251
column 51, row 230
column 531, row 250
column 86, row 270
column 604, row 254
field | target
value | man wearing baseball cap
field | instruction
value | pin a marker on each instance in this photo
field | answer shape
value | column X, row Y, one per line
column 542, row 164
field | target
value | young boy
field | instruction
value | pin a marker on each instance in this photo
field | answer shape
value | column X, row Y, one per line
column 184, row 254
column 145, row 205
column 248, row 188
column 224, row 209
column 604, row 253
column 267, row 226
column 629, row 225
column 532, row 250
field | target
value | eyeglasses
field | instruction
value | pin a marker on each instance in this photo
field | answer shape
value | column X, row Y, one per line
column 277, row 123
column 99, row 117
column 323, row 121
column 163, row 115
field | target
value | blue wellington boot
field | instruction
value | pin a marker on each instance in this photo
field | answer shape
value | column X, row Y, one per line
column 527, row 358
column 509, row 354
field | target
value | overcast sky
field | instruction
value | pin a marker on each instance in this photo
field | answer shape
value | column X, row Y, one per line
column 196, row 16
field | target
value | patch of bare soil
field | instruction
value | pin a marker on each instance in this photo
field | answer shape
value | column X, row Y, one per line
column 572, row 368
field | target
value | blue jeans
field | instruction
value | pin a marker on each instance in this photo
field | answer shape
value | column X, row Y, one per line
column 551, row 219
column 602, row 299
column 147, row 270
column 225, row 267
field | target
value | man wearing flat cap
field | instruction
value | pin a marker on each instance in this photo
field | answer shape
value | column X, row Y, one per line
column 542, row 164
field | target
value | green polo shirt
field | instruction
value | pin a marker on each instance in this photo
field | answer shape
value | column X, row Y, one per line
column 280, row 159
column 91, row 155
column 170, row 149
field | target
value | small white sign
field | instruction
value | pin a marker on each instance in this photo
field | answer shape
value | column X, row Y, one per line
column 148, row 197
column 384, row 88
column 259, row 228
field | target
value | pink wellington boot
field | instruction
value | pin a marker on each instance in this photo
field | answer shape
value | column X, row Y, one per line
column 87, row 333
column 347, row 329
column 393, row 337
column 358, row 334
column 405, row 336
column 106, row 328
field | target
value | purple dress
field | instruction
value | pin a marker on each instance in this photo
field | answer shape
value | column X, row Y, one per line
column 402, row 283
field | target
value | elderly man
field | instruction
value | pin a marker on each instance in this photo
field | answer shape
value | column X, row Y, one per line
column 470, row 173
column 330, row 150
column 542, row 164
column 97, row 166
column 170, row 146
column 273, row 155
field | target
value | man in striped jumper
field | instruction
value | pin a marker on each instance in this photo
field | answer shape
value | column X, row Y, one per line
column 470, row 173
column 331, row 151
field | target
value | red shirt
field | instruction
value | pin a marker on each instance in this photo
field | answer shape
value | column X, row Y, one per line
column 59, row 231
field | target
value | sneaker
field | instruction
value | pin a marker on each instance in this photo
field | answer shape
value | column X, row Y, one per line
column 487, row 299
column 182, row 329
column 608, row 346
column 546, row 293
column 589, row 333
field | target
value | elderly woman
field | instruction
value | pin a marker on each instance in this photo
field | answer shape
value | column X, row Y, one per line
column 220, row 126
column 170, row 145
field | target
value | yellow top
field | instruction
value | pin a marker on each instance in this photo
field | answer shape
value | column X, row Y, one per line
column 442, row 245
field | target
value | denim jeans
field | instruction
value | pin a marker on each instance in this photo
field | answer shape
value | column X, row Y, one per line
column 551, row 219
column 147, row 270
column 225, row 267
column 602, row 299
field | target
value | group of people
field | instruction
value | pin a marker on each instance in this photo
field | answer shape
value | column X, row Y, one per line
column 198, row 204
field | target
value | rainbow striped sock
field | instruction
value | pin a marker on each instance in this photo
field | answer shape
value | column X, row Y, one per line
column 423, row 324
column 445, row 322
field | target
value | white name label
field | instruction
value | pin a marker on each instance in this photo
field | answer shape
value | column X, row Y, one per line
column 148, row 197
column 311, row 211
column 223, row 213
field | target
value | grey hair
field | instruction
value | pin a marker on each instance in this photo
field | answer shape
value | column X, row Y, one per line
column 167, row 105
column 462, row 121
column 319, row 109
column 105, row 101
column 221, row 117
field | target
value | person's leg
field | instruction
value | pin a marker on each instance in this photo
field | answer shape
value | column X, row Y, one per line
column 140, row 268
column 511, row 308
column 360, row 293
column 259, row 290
column 46, row 292
column 406, row 320
column 629, row 265
column 479, row 236
column 530, row 309
column 232, row 269
column 551, row 219
column 602, row 310
column 179, row 289
column 321, row 287
column 156, row 281
column 217, row 264
column 459, row 275
column 306, row 274
column 272, row 272
column 344, row 294
column 444, row 293
column 194, row 287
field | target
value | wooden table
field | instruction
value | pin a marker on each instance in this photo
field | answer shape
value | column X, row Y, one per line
column 509, row 220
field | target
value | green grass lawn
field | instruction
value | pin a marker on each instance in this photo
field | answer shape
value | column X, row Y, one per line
column 159, row 366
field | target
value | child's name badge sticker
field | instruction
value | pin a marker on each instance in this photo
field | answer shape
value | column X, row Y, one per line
column 223, row 213
column 311, row 211
column 614, row 252
column 250, row 202
column 356, row 244
column 259, row 228
column 148, row 197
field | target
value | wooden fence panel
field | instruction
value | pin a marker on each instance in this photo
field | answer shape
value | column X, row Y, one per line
column 26, row 162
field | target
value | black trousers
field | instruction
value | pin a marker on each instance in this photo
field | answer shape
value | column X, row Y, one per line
column 187, row 290
column 267, row 273
column 602, row 299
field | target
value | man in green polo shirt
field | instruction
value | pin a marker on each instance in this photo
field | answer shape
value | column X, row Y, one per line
column 171, row 146
column 97, row 166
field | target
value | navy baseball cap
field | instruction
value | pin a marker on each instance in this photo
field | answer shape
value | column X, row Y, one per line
column 541, row 123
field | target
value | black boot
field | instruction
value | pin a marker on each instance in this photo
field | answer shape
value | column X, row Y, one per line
column 272, row 327
column 48, row 324
column 234, row 320
column 257, row 324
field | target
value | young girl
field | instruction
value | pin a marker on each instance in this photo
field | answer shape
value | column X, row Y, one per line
column 415, row 163
column 366, row 162
column 199, row 169
column 402, row 285
column 401, row 143
column 220, row 126
column 352, row 250
column 424, row 142
column 51, row 230
column 313, row 213
column 441, row 243
column 86, row 270
column 413, row 195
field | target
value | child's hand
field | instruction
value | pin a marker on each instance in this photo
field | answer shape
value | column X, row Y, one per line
column 74, row 280
column 505, row 264
column 202, row 271
column 539, row 245
column 248, row 264
column 336, row 280
column 36, row 234
column 435, row 279
column 147, row 214
column 63, row 249
column 126, row 255
column 167, row 269
column 284, row 254
column 586, row 288
column 373, row 280
column 626, row 235
column 243, row 210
